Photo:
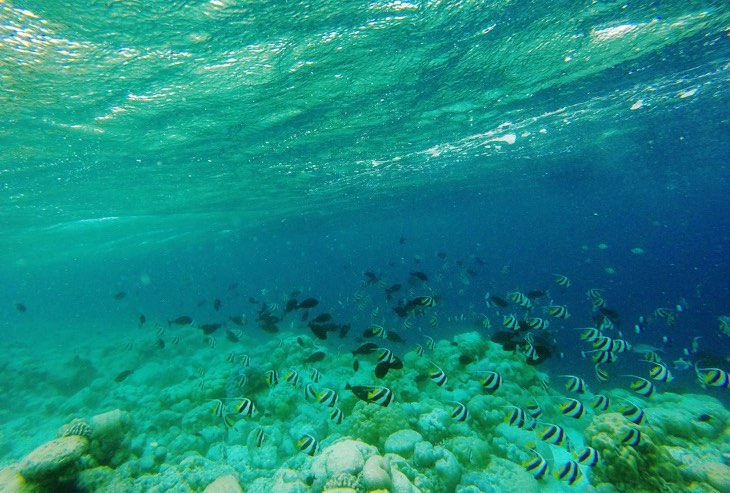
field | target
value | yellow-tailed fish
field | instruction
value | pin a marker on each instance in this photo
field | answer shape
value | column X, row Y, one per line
column 260, row 437
column 537, row 466
column 491, row 382
column 600, row 402
column 381, row 396
column 632, row 437
column 606, row 324
column 589, row 334
column 534, row 410
column 537, row 323
column 642, row 386
column 437, row 375
column 378, row 331
column 575, row 384
column 520, row 299
column 328, row 397
column 601, row 374
column 602, row 343
column 552, row 434
column 557, row 311
column 293, row 377
column 517, row 417
column 570, row 472
column 660, row 373
column 337, row 415
column 619, row 346
column 386, row 356
column 272, row 378
column 595, row 293
column 600, row 356
column 572, row 408
column 587, row 456
column 510, row 322
column 633, row 413
column 714, row 377
column 310, row 392
column 218, row 408
column 308, row 444
column 562, row 280
column 246, row 408
column 430, row 343
column 426, row 301
column 460, row 412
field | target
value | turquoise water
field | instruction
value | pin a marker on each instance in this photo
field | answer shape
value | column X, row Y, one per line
column 159, row 156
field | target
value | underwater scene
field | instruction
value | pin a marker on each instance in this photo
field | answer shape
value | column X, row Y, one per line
column 388, row 246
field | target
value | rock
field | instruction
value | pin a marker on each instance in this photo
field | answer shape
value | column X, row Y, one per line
column 224, row 484
column 109, row 424
column 402, row 442
column 376, row 474
column 716, row 474
column 11, row 482
column 343, row 457
column 53, row 458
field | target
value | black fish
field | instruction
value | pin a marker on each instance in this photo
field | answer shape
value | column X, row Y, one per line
column 271, row 328
column 500, row 302
column 216, row 304
column 232, row 286
column 355, row 365
column 419, row 275
column 231, row 336
column 120, row 295
column 319, row 331
column 123, row 376
column 402, row 240
column 181, row 320
column 308, row 303
column 371, row 277
column 367, row 348
column 536, row 294
column 253, row 300
column 300, row 341
column 142, row 320
column 401, row 311
column 20, row 307
column 381, row 369
column 441, row 255
column 321, row 318
column 291, row 305
column 314, row 357
column 392, row 336
column 238, row 320
column 210, row 328
column 344, row 329
column 161, row 343
column 395, row 363
column 465, row 359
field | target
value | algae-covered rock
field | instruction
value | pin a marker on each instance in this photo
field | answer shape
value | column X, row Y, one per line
column 52, row 460
column 373, row 424
column 224, row 484
column 376, row 474
column 644, row 468
column 501, row 476
column 715, row 474
column 12, row 482
column 402, row 442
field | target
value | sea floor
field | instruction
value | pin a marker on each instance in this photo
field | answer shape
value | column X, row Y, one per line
column 178, row 421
